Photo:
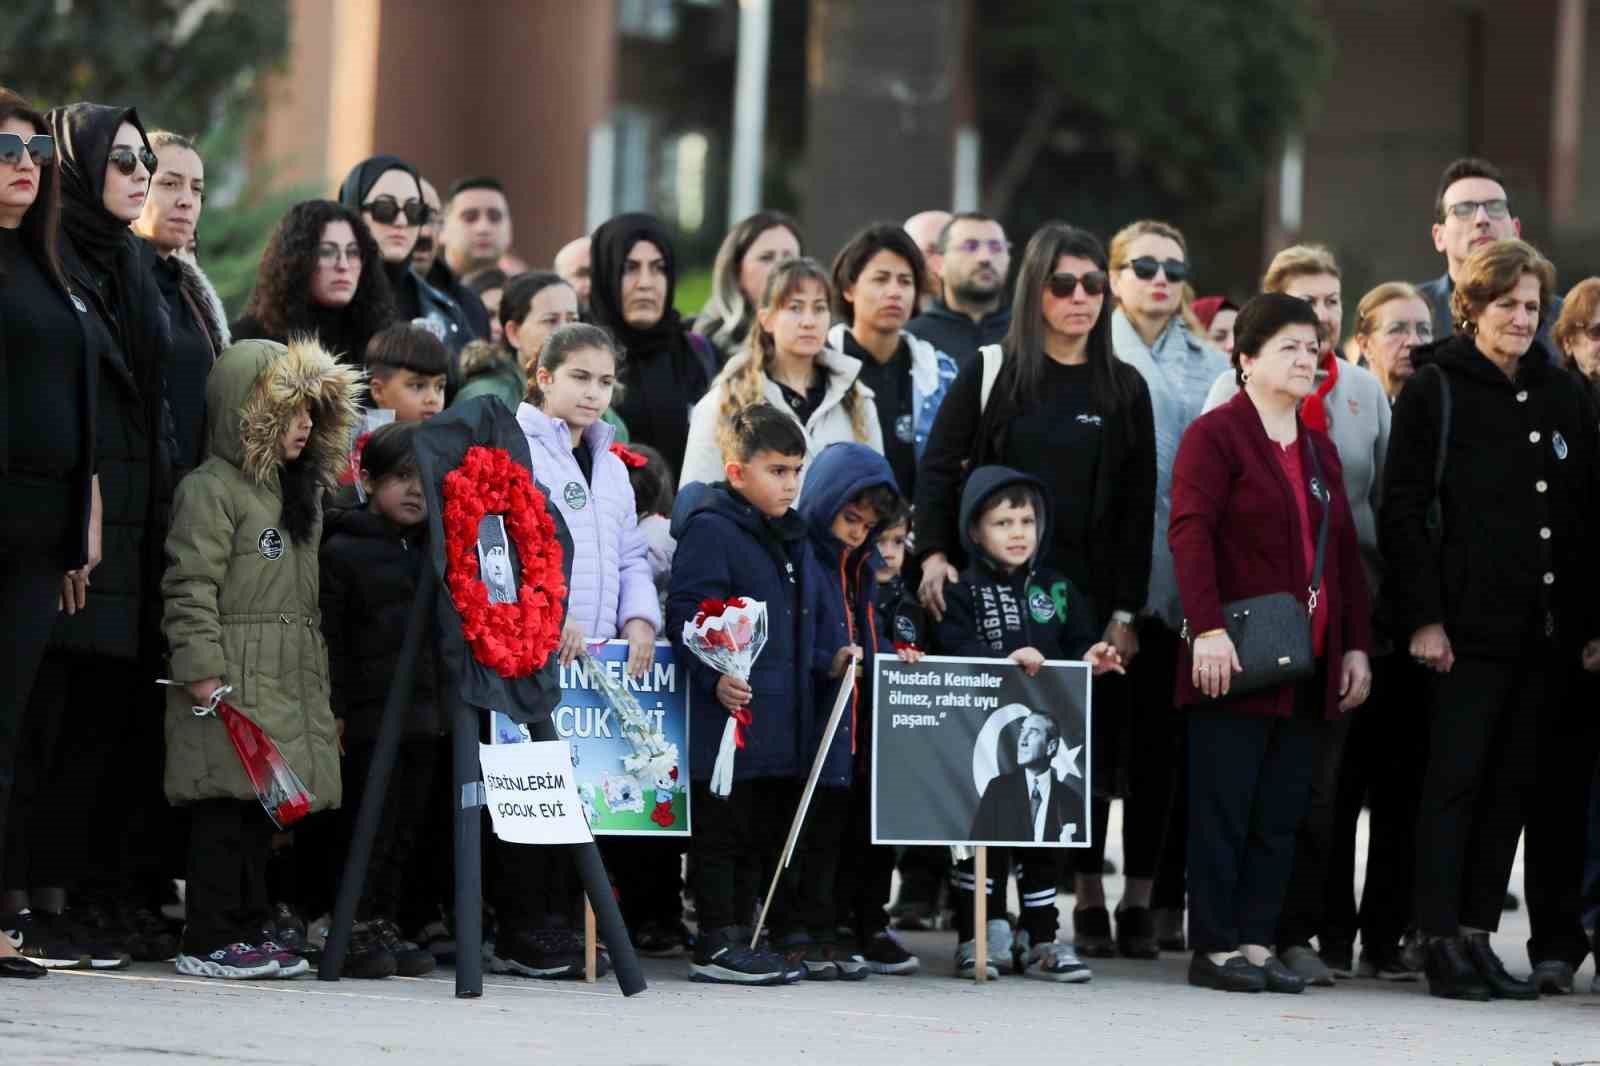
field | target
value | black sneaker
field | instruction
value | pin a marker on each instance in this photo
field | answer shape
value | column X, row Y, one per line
column 659, row 940
column 41, row 944
column 551, row 954
column 885, row 954
column 1091, row 933
column 151, row 938
column 410, row 960
column 438, row 940
column 792, row 949
column 852, row 963
column 723, row 956
column 366, row 958
column 285, row 928
column 819, row 963
column 67, row 929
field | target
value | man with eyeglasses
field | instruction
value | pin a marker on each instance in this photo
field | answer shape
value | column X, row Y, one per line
column 1470, row 211
column 973, row 257
column 426, row 260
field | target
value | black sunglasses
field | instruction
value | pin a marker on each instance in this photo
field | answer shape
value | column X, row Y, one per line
column 1146, row 267
column 127, row 160
column 386, row 209
column 1062, row 286
column 41, row 148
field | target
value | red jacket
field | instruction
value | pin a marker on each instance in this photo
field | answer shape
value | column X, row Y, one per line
column 1235, row 533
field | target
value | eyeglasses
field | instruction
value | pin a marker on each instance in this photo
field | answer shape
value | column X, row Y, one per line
column 1062, row 286
column 1466, row 209
column 386, row 209
column 127, row 159
column 973, row 244
column 1146, row 267
column 331, row 254
column 41, row 148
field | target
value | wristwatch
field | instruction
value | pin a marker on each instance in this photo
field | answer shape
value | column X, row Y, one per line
column 1122, row 618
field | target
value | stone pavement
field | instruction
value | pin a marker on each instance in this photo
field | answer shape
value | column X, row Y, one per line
column 1132, row 1012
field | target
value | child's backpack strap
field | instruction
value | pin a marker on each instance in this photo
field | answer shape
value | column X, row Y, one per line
column 992, row 359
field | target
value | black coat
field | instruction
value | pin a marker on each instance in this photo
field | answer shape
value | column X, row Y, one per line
column 1519, row 495
column 956, row 334
column 133, row 461
column 370, row 568
column 1004, row 814
column 967, row 435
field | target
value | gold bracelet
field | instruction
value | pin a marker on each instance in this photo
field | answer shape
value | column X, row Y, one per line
column 1211, row 633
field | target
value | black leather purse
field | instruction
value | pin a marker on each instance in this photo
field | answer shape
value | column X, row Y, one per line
column 1271, row 634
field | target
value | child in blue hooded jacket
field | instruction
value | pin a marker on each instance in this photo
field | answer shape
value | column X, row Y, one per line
column 741, row 537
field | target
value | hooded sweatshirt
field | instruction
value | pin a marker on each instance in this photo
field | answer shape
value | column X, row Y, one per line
column 993, row 611
column 667, row 368
column 728, row 548
column 242, row 585
column 849, row 600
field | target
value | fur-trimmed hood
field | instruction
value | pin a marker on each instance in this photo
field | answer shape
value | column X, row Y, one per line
column 197, row 288
column 255, row 388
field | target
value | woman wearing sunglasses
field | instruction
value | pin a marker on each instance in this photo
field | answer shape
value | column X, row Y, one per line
column 387, row 193
column 103, row 656
column 48, row 353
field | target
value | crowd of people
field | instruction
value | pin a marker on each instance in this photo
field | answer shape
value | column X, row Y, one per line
column 899, row 451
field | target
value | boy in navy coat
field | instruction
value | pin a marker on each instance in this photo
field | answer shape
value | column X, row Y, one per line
column 742, row 538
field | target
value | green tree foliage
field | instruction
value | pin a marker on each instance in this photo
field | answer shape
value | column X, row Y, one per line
column 192, row 66
column 1120, row 107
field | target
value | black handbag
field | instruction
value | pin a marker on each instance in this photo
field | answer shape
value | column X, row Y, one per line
column 1271, row 634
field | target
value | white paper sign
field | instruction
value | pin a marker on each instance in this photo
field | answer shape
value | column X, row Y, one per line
column 532, row 794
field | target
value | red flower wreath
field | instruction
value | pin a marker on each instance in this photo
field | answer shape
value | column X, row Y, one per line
column 512, row 639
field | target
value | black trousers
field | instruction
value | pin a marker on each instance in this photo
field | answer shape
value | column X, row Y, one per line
column 738, row 841
column 818, row 856
column 1038, row 872
column 1249, row 785
column 1569, row 738
column 1385, row 756
column 229, row 842
column 30, row 587
column 866, row 870
column 1304, row 903
column 1136, row 752
column 1483, row 725
column 648, row 875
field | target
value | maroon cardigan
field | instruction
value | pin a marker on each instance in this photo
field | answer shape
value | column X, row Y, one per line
column 1235, row 533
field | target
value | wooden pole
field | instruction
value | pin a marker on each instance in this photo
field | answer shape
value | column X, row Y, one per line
column 980, row 912
column 591, row 956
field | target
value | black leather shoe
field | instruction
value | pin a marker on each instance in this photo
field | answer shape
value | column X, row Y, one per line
column 1280, row 978
column 1091, row 933
column 1136, row 933
column 1235, row 975
column 17, row 966
column 1501, row 984
column 1450, row 974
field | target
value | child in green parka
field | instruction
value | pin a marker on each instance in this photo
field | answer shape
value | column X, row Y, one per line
column 241, row 609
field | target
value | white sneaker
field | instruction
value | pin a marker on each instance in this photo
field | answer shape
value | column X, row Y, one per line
column 999, row 942
column 1057, row 962
column 967, row 962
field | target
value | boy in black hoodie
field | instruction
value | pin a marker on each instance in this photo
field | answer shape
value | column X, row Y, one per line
column 1007, row 606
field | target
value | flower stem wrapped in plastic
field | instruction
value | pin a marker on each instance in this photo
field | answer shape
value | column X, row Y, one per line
column 280, row 790
column 727, row 636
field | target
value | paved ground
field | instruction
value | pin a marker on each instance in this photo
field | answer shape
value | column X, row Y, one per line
column 1133, row 1012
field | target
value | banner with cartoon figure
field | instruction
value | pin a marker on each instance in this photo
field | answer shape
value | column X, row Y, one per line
column 629, row 740
column 974, row 751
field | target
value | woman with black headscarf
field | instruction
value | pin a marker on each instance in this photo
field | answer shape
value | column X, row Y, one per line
column 99, row 673
column 667, row 367
column 387, row 194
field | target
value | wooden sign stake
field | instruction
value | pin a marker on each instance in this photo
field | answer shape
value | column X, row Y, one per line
column 591, row 954
column 980, row 913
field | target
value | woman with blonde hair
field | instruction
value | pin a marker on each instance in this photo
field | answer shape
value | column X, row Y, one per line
column 1577, row 332
column 786, row 363
column 750, row 251
column 1492, row 575
column 1391, row 321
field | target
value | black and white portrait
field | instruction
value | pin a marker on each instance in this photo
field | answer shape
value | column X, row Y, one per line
column 1040, row 799
column 495, row 562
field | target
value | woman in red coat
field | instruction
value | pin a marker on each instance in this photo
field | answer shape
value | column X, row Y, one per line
column 1250, row 489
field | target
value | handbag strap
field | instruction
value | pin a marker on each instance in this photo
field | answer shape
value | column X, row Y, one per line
column 1326, row 500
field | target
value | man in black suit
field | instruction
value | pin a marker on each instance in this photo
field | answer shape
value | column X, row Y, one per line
column 1029, row 803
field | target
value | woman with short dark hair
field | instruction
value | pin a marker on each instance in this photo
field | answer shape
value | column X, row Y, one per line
column 1491, row 564
column 1257, row 502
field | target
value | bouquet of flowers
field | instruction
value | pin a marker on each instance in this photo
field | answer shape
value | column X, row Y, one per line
column 727, row 635
column 280, row 790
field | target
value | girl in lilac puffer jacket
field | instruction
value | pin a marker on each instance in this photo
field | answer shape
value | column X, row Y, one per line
column 611, row 592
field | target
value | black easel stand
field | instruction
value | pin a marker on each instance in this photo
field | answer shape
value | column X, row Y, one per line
column 467, row 799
